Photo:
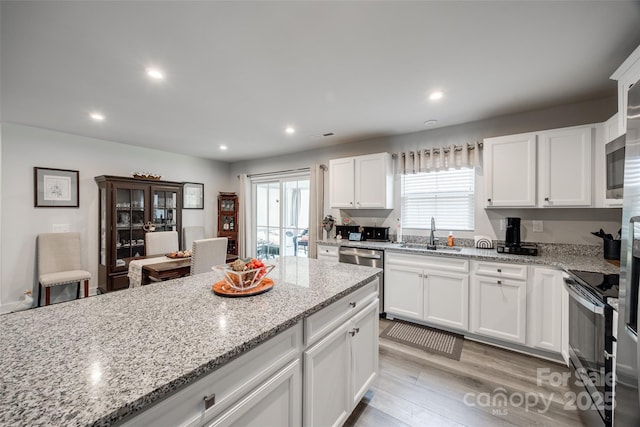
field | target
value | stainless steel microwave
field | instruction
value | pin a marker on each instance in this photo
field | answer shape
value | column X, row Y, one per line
column 615, row 167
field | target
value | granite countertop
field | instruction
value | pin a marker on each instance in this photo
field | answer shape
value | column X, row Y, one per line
column 559, row 259
column 94, row 361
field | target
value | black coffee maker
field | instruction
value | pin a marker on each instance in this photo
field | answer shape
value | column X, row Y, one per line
column 512, row 242
column 512, row 237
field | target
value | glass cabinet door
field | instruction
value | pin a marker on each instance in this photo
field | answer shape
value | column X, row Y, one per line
column 165, row 209
column 129, row 216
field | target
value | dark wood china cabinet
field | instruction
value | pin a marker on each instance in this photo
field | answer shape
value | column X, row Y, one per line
column 228, row 220
column 128, row 207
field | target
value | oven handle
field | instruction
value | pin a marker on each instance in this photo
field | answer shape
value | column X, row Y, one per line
column 570, row 285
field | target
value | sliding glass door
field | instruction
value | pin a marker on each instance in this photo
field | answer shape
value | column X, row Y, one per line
column 281, row 216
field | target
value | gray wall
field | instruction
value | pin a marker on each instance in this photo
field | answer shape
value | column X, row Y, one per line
column 25, row 147
column 560, row 225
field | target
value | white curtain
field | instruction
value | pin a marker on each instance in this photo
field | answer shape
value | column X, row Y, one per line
column 244, row 217
column 439, row 158
column 316, row 206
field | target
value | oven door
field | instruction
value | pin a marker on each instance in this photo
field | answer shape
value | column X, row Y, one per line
column 590, row 349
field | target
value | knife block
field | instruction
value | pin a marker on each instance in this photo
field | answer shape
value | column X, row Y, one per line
column 612, row 249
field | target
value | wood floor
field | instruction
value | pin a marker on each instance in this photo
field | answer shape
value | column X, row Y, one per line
column 416, row 388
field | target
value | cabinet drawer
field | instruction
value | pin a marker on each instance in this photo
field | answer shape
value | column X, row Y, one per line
column 328, row 250
column 319, row 324
column 229, row 383
column 441, row 263
column 505, row 271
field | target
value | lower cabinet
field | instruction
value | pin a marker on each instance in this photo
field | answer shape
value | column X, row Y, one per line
column 498, row 305
column 327, row 252
column 544, row 309
column 428, row 288
column 340, row 368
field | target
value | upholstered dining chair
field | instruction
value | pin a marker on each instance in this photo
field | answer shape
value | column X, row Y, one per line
column 191, row 233
column 161, row 242
column 59, row 263
column 208, row 252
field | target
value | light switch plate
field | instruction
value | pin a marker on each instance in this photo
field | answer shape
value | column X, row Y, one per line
column 537, row 227
column 503, row 224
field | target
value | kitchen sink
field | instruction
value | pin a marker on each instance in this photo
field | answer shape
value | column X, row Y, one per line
column 428, row 247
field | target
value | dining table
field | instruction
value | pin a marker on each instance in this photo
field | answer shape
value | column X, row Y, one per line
column 155, row 268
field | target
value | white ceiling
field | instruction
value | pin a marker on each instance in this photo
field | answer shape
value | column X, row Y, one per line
column 237, row 73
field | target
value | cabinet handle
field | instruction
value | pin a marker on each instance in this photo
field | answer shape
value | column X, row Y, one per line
column 499, row 282
column 546, row 199
column 489, row 200
column 354, row 331
column 499, row 270
column 352, row 304
column 350, row 203
column 209, row 401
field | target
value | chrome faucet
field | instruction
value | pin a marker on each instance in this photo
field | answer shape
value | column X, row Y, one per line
column 432, row 239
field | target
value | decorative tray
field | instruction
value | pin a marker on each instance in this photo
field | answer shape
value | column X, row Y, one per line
column 223, row 289
column 179, row 254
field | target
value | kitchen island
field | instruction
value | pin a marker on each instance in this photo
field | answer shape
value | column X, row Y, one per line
column 100, row 360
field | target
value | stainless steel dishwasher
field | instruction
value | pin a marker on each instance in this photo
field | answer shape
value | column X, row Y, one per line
column 368, row 257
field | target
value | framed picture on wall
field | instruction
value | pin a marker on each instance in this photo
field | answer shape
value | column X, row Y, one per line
column 56, row 188
column 193, row 195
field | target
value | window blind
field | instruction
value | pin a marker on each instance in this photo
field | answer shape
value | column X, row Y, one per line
column 446, row 195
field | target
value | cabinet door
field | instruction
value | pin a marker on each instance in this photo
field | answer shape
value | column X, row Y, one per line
column 363, row 339
column 371, row 175
column 342, row 183
column 403, row 290
column 328, row 253
column 275, row 403
column 510, row 170
column 499, row 308
column 565, row 172
column 446, row 299
column 129, row 216
column 326, row 373
column 544, row 309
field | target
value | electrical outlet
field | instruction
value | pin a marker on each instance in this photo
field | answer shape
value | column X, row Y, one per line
column 503, row 224
column 537, row 227
column 60, row 228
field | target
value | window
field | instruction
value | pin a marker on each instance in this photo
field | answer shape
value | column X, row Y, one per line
column 448, row 196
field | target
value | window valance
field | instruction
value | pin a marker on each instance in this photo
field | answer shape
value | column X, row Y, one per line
column 439, row 158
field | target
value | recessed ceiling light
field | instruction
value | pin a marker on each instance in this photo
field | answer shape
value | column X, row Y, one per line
column 222, row 147
column 98, row 117
column 430, row 122
column 155, row 73
column 436, row 95
column 290, row 130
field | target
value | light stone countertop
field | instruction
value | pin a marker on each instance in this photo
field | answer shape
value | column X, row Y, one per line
column 559, row 259
column 96, row 360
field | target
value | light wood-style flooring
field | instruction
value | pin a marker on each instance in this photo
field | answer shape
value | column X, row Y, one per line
column 416, row 388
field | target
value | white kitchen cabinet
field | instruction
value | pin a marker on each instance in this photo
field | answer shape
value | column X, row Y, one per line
column 565, row 166
column 510, row 170
column 544, row 309
column 627, row 75
column 558, row 163
column 428, row 288
column 328, row 253
column 361, row 182
column 275, row 403
column 498, row 305
column 403, row 290
column 340, row 368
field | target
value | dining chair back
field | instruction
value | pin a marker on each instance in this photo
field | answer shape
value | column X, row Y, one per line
column 60, row 263
column 161, row 242
column 208, row 252
column 191, row 233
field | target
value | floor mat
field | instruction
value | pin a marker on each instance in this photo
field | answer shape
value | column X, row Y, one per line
column 428, row 339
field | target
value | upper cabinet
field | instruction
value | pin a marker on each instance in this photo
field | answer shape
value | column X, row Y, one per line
column 627, row 75
column 361, row 182
column 540, row 169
